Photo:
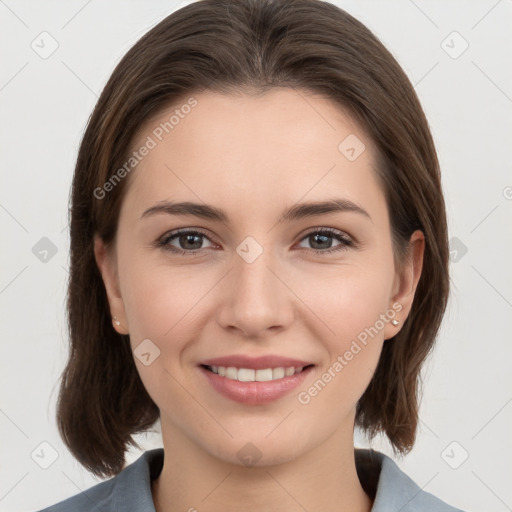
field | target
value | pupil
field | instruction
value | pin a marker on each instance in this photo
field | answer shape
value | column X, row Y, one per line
column 324, row 237
column 188, row 238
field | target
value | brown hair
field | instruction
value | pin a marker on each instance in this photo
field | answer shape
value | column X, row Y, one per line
column 241, row 45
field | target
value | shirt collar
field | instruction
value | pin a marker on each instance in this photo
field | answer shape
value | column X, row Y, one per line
column 381, row 478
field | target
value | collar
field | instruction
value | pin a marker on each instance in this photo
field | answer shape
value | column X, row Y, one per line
column 381, row 478
column 130, row 490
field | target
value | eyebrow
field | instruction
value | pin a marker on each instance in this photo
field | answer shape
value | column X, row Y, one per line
column 296, row 212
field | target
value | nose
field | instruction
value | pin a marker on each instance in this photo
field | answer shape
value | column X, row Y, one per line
column 256, row 298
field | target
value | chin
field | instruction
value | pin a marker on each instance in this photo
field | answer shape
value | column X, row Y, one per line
column 251, row 451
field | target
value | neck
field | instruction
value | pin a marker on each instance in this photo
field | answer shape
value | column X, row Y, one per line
column 324, row 478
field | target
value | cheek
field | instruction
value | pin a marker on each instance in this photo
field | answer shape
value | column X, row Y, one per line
column 165, row 304
column 354, row 306
column 349, row 300
column 160, row 303
column 354, row 343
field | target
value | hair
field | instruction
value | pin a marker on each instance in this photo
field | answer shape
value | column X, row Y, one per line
column 247, row 46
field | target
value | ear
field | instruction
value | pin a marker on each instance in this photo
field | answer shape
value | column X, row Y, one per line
column 406, row 281
column 106, row 261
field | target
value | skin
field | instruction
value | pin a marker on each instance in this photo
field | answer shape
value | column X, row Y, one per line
column 254, row 157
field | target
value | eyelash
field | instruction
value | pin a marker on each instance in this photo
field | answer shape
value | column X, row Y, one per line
column 163, row 242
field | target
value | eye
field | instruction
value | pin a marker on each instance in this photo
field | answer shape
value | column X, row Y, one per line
column 189, row 241
column 321, row 239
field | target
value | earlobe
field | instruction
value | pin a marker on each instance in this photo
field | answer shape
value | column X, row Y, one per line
column 108, row 269
column 406, row 282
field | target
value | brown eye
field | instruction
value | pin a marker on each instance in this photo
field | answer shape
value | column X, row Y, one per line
column 188, row 241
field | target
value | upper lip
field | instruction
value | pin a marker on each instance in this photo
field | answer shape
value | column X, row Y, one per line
column 256, row 363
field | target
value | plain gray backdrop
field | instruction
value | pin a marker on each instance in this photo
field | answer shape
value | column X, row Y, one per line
column 56, row 58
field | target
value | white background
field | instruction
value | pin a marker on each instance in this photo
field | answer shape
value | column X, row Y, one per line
column 45, row 104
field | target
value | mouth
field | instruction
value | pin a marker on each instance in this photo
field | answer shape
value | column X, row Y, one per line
column 255, row 375
column 254, row 381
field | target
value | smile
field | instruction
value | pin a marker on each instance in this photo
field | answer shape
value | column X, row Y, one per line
column 252, row 375
column 255, row 386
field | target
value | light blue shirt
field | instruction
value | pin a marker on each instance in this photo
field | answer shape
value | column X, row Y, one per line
column 130, row 490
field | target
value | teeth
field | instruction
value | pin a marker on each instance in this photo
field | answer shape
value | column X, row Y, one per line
column 264, row 375
column 251, row 375
column 246, row 375
column 278, row 373
column 289, row 371
column 231, row 373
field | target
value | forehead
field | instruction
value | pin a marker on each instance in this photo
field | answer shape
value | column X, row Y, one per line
column 253, row 151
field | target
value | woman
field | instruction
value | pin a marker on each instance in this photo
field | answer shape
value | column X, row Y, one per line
column 284, row 143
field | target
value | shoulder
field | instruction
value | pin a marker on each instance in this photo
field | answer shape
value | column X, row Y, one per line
column 392, row 488
column 129, row 491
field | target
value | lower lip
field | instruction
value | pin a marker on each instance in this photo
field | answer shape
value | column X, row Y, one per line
column 254, row 393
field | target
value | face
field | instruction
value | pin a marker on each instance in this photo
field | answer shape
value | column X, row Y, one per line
column 251, row 287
